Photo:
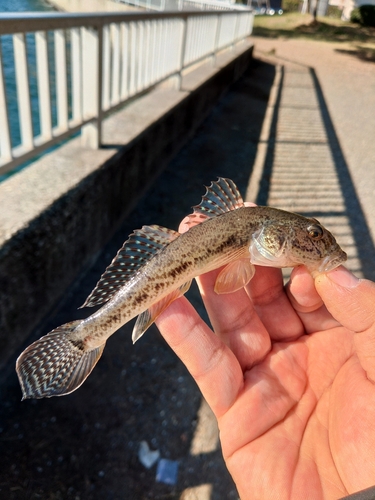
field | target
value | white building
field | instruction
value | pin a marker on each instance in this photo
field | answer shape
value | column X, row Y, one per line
column 345, row 5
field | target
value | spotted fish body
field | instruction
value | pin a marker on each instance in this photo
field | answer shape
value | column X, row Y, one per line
column 156, row 266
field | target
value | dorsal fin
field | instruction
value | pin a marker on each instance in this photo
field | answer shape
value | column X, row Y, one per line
column 221, row 196
column 137, row 250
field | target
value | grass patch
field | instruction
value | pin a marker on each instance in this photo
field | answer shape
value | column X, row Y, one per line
column 295, row 25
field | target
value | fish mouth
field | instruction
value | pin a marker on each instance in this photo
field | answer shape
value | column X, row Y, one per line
column 331, row 262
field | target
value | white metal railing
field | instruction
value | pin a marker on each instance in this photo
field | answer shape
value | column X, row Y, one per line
column 85, row 66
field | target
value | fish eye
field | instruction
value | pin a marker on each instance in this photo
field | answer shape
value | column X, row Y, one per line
column 315, row 231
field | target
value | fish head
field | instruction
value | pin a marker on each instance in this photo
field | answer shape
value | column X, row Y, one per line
column 294, row 240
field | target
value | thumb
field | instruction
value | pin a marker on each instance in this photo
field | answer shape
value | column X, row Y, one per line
column 351, row 302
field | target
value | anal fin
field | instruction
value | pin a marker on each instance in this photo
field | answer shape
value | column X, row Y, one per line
column 234, row 276
column 146, row 318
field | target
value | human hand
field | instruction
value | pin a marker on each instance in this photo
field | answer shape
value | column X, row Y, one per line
column 290, row 375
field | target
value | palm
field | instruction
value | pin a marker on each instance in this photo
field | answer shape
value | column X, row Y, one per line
column 293, row 438
column 294, row 406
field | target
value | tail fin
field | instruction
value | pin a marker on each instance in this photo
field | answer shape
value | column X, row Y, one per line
column 56, row 364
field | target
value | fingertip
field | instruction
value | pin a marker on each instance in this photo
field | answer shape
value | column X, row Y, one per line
column 337, row 287
column 349, row 299
column 342, row 277
column 302, row 292
column 184, row 226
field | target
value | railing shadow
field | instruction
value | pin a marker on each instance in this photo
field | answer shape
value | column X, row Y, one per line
column 353, row 209
column 264, row 185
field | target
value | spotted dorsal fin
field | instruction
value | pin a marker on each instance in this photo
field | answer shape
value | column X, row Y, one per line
column 221, row 196
column 141, row 246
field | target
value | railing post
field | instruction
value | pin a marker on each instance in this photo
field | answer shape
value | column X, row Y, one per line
column 106, row 78
column 61, row 80
column 125, row 47
column 236, row 29
column 115, row 75
column 183, row 50
column 5, row 144
column 92, row 75
column 76, row 68
column 44, row 94
column 217, row 39
column 23, row 91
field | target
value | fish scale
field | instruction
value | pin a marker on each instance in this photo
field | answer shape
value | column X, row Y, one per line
column 156, row 265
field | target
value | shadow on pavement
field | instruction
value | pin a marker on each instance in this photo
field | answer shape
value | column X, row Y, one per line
column 361, row 51
column 353, row 210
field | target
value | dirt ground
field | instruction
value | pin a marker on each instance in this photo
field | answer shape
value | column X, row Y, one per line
column 84, row 446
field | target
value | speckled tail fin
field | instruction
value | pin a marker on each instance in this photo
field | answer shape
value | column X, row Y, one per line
column 221, row 196
column 141, row 246
column 55, row 364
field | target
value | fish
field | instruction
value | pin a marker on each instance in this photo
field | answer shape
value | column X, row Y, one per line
column 156, row 266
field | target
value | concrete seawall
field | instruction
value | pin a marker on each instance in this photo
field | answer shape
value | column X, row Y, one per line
column 57, row 214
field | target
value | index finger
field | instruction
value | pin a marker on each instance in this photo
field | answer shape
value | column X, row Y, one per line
column 235, row 321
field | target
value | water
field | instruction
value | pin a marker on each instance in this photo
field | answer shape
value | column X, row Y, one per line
column 24, row 6
column 9, row 71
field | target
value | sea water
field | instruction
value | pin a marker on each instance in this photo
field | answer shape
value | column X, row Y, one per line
column 9, row 70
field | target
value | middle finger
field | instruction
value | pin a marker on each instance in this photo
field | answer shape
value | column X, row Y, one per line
column 235, row 321
column 270, row 301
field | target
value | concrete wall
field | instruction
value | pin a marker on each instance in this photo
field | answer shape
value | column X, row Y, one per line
column 57, row 214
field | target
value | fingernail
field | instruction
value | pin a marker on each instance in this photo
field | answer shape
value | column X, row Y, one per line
column 341, row 276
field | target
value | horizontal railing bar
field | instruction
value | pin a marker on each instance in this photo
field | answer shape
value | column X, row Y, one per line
column 21, row 156
column 22, row 23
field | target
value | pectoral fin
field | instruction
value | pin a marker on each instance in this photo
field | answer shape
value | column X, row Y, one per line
column 146, row 319
column 234, row 276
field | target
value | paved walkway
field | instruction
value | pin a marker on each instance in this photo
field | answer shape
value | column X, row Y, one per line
column 297, row 131
column 317, row 147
